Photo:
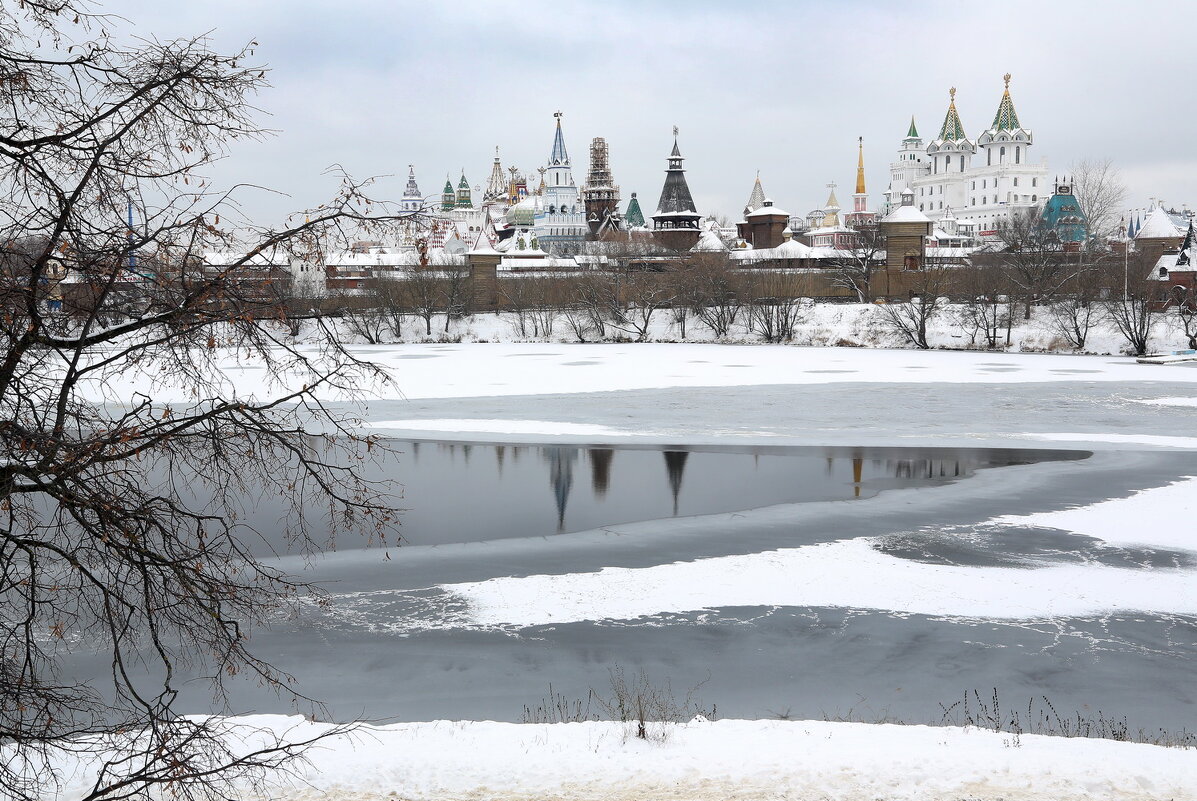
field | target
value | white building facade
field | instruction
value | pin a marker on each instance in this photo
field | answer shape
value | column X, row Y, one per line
column 981, row 182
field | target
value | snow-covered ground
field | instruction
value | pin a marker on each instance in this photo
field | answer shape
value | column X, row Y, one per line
column 819, row 324
column 726, row 759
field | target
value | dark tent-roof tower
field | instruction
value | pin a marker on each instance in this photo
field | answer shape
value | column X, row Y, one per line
column 675, row 222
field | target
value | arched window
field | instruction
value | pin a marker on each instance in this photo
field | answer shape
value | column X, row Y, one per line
column 1018, row 155
column 988, row 156
column 1002, row 155
column 1034, row 198
column 947, row 163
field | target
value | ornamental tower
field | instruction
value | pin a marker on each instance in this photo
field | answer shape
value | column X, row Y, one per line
column 464, row 200
column 860, row 215
column 951, row 151
column 675, row 222
column 560, row 222
column 412, row 201
column 909, row 167
column 1006, row 141
column 448, row 198
column 560, row 191
column 496, row 187
column 600, row 196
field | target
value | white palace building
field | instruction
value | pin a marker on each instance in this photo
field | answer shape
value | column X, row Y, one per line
column 979, row 182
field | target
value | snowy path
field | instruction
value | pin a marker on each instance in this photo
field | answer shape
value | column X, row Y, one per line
column 729, row 759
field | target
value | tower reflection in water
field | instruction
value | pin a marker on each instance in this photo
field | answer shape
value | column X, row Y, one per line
column 561, row 462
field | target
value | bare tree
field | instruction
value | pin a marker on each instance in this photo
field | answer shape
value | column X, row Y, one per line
column 775, row 303
column 987, row 306
column 425, row 293
column 714, row 287
column 99, row 546
column 456, row 292
column 1033, row 258
column 1186, row 313
column 643, row 294
column 1079, row 306
column 854, row 268
column 1131, row 296
column 929, row 288
column 1099, row 190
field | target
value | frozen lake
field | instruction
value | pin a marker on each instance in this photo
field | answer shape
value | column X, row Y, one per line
column 929, row 538
column 535, row 564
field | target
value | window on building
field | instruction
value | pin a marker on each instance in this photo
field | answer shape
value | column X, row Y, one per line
column 988, row 156
column 1018, row 155
column 921, row 207
column 974, row 186
column 984, row 199
column 1002, row 155
column 1016, row 180
column 1034, row 198
column 947, row 162
column 1034, row 182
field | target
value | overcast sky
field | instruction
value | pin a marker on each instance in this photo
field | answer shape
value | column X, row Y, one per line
column 784, row 88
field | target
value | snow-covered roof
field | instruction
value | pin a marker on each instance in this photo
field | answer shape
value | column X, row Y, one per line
column 906, row 214
column 709, row 241
column 482, row 246
column 1158, row 225
column 767, row 210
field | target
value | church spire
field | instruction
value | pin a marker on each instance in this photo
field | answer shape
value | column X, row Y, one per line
column 559, row 156
column 913, row 133
column 953, row 129
column 1006, row 119
column 860, row 179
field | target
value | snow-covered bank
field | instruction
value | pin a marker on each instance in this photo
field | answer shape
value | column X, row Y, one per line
column 727, row 759
column 495, row 370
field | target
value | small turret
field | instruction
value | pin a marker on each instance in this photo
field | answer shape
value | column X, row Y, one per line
column 464, row 199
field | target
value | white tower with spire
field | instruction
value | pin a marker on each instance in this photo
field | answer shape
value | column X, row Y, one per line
column 412, row 200
column 561, row 220
column 911, row 165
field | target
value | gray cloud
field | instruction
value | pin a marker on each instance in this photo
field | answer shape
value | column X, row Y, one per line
column 780, row 87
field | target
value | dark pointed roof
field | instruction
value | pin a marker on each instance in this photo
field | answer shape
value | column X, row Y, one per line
column 1186, row 249
column 913, row 133
column 675, row 194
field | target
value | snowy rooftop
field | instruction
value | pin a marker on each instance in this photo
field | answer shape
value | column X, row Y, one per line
column 906, row 214
column 1158, row 225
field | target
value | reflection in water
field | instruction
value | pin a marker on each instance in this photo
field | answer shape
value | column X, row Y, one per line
column 600, row 470
column 561, row 477
column 675, row 465
column 447, row 499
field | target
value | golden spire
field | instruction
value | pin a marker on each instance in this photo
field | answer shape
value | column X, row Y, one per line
column 952, row 95
column 1006, row 78
column 860, row 182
